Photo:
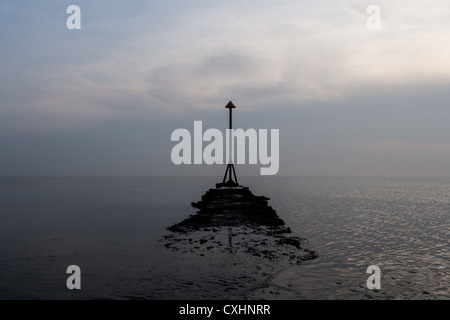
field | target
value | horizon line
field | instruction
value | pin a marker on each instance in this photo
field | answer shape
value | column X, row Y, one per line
column 187, row 176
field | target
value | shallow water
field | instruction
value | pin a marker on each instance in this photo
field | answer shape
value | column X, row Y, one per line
column 112, row 228
column 398, row 224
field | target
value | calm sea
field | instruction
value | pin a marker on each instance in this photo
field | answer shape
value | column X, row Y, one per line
column 111, row 227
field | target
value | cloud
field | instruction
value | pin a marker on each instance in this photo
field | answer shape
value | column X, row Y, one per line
column 162, row 60
column 314, row 52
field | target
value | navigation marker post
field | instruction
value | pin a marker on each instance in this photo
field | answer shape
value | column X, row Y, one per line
column 230, row 172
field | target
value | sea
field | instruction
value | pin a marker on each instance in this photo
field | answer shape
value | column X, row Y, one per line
column 114, row 230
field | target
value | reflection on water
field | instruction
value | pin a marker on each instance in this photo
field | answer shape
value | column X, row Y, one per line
column 399, row 224
column 112, row 227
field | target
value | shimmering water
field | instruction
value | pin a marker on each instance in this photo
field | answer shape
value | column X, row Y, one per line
column 112, row 226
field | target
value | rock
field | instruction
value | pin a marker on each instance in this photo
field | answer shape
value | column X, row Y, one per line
column 228, row 213
column 230, row 206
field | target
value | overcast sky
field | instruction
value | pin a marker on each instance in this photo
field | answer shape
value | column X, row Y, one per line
column 104, row 100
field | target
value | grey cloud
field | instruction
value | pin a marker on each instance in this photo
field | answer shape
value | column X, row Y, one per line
column 194, row 81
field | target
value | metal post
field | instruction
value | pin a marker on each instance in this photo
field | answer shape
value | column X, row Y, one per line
column 230, row 167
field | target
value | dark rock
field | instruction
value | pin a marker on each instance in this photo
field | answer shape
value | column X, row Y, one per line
column 230, row 206
column 234, row 212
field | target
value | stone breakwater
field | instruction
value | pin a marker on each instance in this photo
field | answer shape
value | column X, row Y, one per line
column 236, row 220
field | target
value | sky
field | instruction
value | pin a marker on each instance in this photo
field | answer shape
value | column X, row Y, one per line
column 348, row 100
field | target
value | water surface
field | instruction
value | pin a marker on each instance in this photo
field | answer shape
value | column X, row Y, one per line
column 112, row 226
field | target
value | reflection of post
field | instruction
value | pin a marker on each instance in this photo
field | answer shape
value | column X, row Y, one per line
column 230, row 167
column 230, row 240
